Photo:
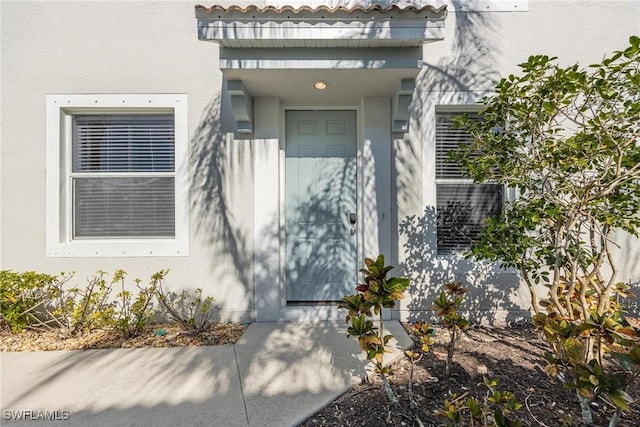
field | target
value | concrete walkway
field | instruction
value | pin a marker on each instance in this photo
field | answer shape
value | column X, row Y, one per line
column 278, row 374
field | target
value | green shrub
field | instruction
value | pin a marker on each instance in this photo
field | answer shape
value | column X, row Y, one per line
column 377, row 292
column 191, row 310
column 21, row 296
column 447, row 305
column 132, row 315
column 94, row 309
column 43, row 302
column 566, row 137
column 496, row 409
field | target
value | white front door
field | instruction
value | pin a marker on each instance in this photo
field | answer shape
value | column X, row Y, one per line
column 320, row 205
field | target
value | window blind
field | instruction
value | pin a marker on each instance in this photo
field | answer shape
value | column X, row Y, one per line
column 123, row 143
column 138, row 200
column 124, row 207
column 449, row 139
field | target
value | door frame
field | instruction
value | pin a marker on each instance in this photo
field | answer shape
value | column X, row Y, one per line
column 314, row 311
column 373, row 190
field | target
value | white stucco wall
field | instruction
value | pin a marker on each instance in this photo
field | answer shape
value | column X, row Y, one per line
column 478, row 49
column 124, row 47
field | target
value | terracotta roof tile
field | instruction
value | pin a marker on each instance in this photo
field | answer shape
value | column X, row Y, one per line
column 319, row 9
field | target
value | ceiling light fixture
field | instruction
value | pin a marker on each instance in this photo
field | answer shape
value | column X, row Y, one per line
column 320, row 85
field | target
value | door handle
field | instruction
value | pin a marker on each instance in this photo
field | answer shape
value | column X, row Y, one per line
column 352, row 231
column 353, row 218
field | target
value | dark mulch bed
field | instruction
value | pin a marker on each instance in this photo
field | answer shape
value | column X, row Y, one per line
column 513, row 356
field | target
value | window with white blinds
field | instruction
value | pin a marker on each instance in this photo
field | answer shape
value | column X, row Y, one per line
column 117, row 175
column 122, row 177
column 462, row 206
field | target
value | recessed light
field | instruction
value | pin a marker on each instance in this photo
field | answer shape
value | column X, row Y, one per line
column 320, row 85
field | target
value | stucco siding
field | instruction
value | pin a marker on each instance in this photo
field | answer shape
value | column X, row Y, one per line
column 479, row 49
column 124, row 48
column 235, row 180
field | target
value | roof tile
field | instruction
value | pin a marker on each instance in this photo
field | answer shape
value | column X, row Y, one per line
column 319, row 9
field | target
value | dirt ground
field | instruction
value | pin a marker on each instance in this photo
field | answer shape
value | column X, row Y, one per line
column 156, row 335
column 513, row 357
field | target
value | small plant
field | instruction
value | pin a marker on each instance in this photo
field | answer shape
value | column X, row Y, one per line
column 193, row 311
column 447, row 305
column 43, row 302
column 425, row 333
column 52, row 313
column 132, row 316
column 95, row 309
column 74, row 310
column 496, row 409
column 377, row 292
column 23, row 296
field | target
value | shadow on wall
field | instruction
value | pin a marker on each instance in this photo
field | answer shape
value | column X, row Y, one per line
column 222, row 180
column 471, row 65
column 495, row 295
column 320, row 253
column 219, row 174
column 628, row 254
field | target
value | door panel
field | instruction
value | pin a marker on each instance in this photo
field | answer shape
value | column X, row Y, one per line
column 320, row 170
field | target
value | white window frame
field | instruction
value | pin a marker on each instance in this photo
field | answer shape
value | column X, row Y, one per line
column 459, row 109
column 59, row 113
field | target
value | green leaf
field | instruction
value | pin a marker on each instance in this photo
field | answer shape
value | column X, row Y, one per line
column 474, row 407
column 398, row 283
column 625, row 360
column 574, row 349
column 620, row 399
column 634, row 354
column 499, row 417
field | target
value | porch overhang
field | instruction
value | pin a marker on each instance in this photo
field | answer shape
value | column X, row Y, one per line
column 321, row 27
column 358, row 51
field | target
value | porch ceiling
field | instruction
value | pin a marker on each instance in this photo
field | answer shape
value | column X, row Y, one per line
column 344, row 86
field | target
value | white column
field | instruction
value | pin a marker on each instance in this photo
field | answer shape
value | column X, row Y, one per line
column 266, row 209
column 375, row 198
